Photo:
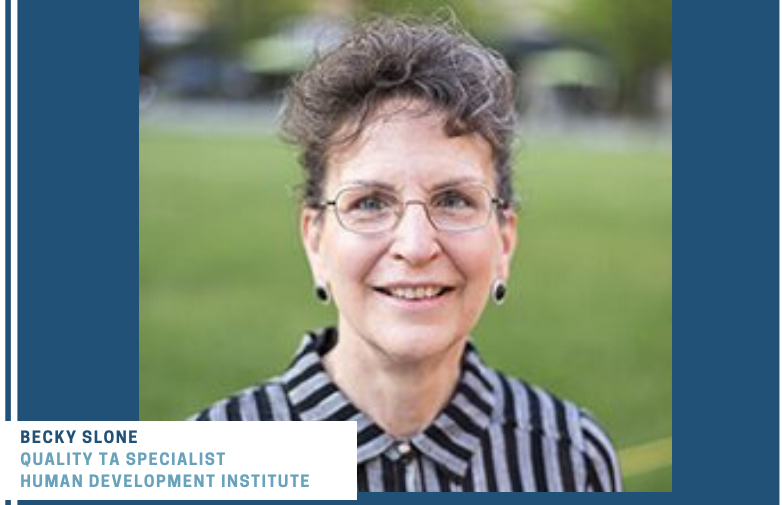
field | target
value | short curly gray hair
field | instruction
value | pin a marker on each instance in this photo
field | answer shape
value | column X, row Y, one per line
column 438, row 63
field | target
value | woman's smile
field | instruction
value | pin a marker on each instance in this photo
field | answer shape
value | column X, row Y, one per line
column 415, row 296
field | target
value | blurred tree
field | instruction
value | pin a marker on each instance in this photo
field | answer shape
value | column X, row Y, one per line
column 244, row 20
column 636, row 34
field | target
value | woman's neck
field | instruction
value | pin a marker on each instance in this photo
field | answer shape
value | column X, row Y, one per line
column 402, row 398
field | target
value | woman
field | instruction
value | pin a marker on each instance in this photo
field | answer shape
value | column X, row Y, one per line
column 409, row 228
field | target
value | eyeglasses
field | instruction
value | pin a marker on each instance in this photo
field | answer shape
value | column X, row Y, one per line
column 369, row 210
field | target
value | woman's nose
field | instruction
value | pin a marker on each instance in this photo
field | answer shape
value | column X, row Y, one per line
column 415, row 237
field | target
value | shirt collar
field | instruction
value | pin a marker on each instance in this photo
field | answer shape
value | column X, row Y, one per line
column 452, row 438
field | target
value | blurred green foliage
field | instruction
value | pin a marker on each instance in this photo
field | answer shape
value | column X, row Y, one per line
column 225, row 292
column 636, row 34
column 244, row 20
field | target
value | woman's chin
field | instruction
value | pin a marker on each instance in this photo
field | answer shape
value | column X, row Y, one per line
column 415, row 343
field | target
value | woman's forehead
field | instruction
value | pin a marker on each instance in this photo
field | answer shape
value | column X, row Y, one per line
column 409, row 148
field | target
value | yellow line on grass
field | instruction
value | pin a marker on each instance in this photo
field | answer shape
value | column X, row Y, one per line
column 648, row 457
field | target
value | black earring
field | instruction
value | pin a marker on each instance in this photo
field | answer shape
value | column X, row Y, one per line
column 498, row 291
column 322, row 293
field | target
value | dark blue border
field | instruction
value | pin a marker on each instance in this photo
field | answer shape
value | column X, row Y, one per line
column 726, row 303
column 7, row 265
column 77, row 211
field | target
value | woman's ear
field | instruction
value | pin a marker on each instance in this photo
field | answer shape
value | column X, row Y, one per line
column 311, row 233
column 508, row 240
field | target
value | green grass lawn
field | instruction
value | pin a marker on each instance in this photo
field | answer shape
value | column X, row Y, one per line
column 225, row 294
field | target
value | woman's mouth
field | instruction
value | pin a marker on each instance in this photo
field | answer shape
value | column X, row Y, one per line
column 414, row 293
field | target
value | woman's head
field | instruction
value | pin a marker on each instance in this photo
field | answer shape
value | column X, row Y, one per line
column 417, row 119
column 438, row 65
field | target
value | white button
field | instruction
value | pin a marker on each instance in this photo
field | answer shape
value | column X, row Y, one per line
column 404, row 448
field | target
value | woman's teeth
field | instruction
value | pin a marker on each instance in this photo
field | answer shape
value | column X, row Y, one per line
column 420, row 293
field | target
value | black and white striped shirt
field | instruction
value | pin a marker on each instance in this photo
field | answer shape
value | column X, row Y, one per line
column 496, row 434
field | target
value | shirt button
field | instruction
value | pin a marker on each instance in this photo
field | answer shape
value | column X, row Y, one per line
column 404, row 448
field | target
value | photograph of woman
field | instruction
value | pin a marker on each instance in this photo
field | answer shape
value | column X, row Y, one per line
column 408, row 220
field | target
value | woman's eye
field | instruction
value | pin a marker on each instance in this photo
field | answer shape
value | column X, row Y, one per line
column 371, row 204
column 452, row 200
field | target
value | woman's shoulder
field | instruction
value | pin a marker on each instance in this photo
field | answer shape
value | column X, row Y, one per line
column 546, row 416
column 269, row 400
column 266, row 401
column 533, row 408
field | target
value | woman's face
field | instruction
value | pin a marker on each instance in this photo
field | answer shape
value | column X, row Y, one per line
column 382, row 284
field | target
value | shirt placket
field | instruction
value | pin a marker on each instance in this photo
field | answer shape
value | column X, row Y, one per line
column 409, row 467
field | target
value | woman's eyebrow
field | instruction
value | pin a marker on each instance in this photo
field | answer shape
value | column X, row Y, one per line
column 436, row 187
column 373, row 184
column 457, row 181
